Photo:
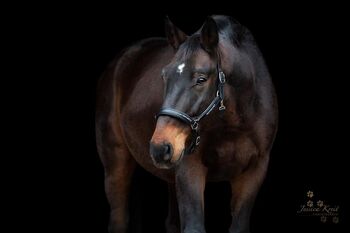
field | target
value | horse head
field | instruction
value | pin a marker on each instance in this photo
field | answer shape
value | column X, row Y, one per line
column 193, row 87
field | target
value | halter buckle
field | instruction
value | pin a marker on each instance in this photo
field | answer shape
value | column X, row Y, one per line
column 222, row 77
column 198, row 140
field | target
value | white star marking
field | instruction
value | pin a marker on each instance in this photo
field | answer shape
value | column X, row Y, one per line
column 180, row 68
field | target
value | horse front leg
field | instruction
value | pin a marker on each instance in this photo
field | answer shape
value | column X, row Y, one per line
column 244, row 190
column 190, row 180
column 172, row 223
column 119, row 167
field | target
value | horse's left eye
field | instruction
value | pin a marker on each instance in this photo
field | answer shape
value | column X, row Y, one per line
column 201, row 80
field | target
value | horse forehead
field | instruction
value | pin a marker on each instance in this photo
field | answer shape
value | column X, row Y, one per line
column 180, row 68
column 197, row 60
column 201, row 58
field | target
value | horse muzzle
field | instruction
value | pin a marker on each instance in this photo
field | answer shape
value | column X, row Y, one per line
column 167, row 145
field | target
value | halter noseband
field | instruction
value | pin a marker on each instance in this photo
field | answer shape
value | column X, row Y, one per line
column 194, row 121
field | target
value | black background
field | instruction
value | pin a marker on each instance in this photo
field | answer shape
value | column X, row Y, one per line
column 304, row 49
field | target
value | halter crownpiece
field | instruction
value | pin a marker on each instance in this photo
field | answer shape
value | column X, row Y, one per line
column 194, row 121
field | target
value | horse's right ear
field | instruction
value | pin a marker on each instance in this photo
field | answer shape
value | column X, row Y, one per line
column 209, row 35
column 174, row 35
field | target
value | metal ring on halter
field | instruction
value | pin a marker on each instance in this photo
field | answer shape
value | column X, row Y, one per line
column 195, row 125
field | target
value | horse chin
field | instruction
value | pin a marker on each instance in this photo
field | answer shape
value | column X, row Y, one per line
column 164, row 165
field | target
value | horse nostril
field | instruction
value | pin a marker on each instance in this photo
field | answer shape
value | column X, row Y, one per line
column 167, row 152
column 161, row 152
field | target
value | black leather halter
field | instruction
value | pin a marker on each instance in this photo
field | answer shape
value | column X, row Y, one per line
column 194, row 121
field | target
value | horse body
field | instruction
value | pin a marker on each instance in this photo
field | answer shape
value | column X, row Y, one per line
column 234, row 145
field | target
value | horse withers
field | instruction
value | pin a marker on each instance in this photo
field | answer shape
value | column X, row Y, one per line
column 188, row 109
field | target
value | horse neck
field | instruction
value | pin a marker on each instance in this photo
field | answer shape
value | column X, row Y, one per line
column 242, row 69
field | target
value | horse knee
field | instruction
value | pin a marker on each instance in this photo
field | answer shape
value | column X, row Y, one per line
column 118, row 221
column 172, row 227
column 191, row 230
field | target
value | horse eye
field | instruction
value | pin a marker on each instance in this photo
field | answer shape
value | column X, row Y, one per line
column 201, row 80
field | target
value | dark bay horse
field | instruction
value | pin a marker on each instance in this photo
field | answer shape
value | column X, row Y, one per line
column 189, row 109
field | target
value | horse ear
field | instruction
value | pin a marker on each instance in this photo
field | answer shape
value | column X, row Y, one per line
column 174, row 35
column 209, row 35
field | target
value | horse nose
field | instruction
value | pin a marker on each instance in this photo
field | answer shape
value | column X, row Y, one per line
column 161, row 152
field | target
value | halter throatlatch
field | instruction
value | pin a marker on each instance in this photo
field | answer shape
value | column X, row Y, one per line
column 194, row 121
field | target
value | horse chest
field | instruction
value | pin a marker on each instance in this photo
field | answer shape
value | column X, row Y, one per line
column 228, row 158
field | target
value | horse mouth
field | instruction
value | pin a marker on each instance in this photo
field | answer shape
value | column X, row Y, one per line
column 168, row 164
